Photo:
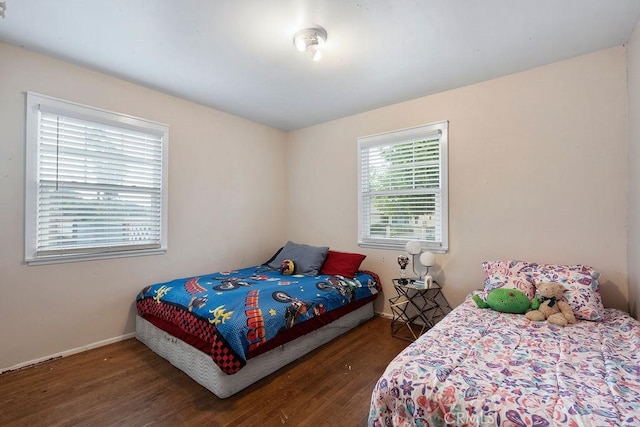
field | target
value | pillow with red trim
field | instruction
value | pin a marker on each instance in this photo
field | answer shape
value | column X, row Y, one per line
column 342, row 264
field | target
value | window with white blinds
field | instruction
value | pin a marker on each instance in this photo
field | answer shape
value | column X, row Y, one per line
column 403, row 188
column 96, row 183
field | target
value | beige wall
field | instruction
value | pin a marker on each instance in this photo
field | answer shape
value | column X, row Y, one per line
column 226, row 207
column 633, row 93
column 537, row 171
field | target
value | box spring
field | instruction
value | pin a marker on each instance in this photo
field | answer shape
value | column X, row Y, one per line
column 200, row 367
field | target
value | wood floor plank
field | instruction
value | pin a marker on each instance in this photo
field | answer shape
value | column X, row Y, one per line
column 127, row 384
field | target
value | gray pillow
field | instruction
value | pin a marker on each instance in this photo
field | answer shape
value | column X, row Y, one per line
column 307, row 259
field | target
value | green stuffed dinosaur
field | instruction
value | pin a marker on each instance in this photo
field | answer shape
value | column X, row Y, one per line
column 507, row 300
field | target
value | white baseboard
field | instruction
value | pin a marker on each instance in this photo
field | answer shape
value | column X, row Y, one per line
column 68, row 352
column 385, row 315
column 92, row 346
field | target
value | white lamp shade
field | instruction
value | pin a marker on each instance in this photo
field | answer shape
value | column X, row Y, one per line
column 413, row 247
column 427, row 259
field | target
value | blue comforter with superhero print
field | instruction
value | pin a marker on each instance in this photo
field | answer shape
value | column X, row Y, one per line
column 238, row 311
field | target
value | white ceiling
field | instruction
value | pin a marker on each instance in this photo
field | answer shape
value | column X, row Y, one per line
column 238, row 56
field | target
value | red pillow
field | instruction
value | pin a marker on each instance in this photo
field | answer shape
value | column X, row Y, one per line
column 342, row 264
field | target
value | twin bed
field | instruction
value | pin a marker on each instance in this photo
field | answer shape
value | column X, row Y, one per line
column 229, row 329
column 481, row 367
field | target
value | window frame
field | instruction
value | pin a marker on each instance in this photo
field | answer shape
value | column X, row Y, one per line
column 397, row 137
column 36, row 102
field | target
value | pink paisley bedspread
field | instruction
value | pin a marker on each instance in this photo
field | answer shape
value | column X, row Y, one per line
column 479, row 367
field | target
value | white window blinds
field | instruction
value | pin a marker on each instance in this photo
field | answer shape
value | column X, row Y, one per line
column 99, row 182
column 403, row 187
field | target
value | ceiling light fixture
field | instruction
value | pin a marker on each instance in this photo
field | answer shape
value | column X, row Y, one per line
column 310, row 40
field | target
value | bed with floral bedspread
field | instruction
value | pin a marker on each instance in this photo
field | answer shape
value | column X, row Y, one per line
column 481, row 367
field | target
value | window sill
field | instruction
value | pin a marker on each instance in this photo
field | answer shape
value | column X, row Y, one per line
column 58, row 259
column 400, row 246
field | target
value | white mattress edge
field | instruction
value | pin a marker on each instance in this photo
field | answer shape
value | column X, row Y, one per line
column 201, row 368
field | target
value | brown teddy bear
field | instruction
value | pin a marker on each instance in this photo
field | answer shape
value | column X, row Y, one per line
column 552, row 307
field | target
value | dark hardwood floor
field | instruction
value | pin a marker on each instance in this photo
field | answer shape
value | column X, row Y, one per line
column 127, row 384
